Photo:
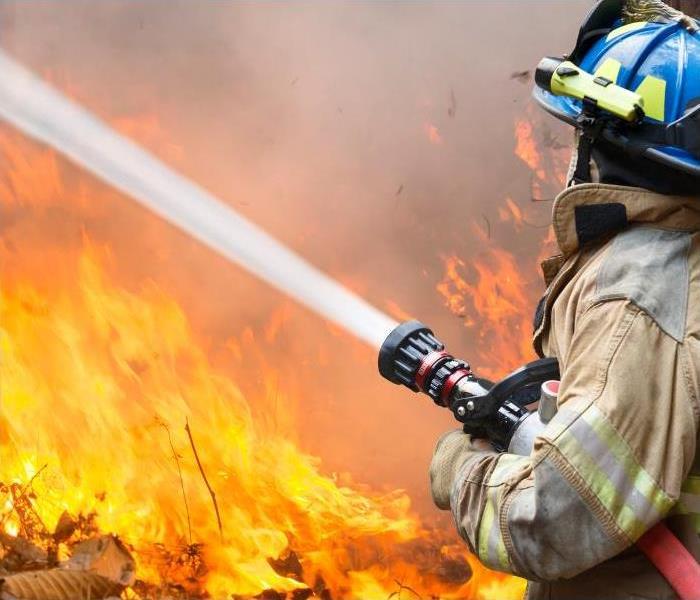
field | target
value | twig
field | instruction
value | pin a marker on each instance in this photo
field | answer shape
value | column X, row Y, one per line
column 535, row 225
column 403, row 587
column 21, row 494
column 182, row 482
column 29, row 483
column 452, row 108
column 206, row 481
column 276, row 409
column 488, row 225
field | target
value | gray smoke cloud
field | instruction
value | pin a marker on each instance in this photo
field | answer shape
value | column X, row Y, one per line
column 367, row 136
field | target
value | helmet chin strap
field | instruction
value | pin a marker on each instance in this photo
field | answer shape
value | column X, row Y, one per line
column 574, row 161
column 581, row 162
column 581, row 168
column 597, row 161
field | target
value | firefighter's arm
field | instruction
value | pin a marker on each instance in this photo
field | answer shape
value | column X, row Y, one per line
column 607, row 468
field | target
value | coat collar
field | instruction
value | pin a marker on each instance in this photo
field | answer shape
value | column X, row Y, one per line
column 591, row 211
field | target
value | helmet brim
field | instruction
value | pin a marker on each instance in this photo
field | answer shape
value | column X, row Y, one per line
column 568, row 110
column 560, row 107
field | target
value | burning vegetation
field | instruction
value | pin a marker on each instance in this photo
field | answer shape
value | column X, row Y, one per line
column 494, row 294
column 136, row 460
column 132, row 466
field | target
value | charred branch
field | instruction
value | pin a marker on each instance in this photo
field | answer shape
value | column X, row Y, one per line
column 206, row 481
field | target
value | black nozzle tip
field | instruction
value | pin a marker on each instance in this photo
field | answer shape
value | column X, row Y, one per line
column 397, row 366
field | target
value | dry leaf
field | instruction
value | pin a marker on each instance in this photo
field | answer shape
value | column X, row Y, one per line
column 58, row 584
column 105, row 556
column 65, row 527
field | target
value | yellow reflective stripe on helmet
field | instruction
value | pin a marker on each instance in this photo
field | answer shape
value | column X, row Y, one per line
column 607, row 465
column 491, row 547
column 610, row 69
column 571, row 80
column 653, row 90
column 615, row 33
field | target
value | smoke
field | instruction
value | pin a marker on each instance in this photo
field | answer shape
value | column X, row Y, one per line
column 366, row 136
column 39, row 111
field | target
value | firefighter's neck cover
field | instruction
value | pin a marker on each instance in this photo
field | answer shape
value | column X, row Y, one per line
column 620, row 454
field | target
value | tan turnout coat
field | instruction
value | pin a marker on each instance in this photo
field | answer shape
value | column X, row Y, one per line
column 622, row 316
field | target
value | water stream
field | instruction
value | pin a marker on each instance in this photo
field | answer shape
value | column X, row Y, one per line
column 45, row 114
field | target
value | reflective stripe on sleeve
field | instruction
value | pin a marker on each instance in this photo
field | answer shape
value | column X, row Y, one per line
column 606, row 463
column 689, row 502
column 490, row 544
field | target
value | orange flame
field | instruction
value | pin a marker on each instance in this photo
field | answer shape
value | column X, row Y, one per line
column 526, row 148
column 433, row 134
column 511, row 212
column 544, row 147
column 492, row 294
column 489, row 296
column 97, row 382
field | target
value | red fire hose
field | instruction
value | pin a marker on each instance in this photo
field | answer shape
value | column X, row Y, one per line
column 673, row 560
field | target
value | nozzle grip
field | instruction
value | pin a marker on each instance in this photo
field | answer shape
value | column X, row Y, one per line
column 412, row 356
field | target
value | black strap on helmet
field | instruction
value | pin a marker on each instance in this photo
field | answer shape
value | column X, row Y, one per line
column 582, row 174
column 591, row 124
column 683, row 133
column 599, row 22
column 637, row 139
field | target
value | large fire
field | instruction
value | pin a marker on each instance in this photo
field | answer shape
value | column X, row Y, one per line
column 493, row 293
column 114, row 418
column 495, row 305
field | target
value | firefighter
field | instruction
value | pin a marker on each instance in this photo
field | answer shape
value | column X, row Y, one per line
column 622, row 315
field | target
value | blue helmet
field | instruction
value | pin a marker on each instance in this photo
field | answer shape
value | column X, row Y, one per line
column 656, row 59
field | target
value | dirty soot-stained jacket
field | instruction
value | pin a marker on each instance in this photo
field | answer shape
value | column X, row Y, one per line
column 622, row 316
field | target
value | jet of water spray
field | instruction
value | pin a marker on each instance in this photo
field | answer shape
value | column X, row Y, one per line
column 46, row 115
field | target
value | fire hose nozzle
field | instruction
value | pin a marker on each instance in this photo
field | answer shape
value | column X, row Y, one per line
column 403, row 351
column 412, row 356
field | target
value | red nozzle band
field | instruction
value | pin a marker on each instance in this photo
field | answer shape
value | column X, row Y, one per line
column 426, row 367
column 450, row 384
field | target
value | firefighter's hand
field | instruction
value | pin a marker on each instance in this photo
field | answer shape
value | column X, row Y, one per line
column 452, row 450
